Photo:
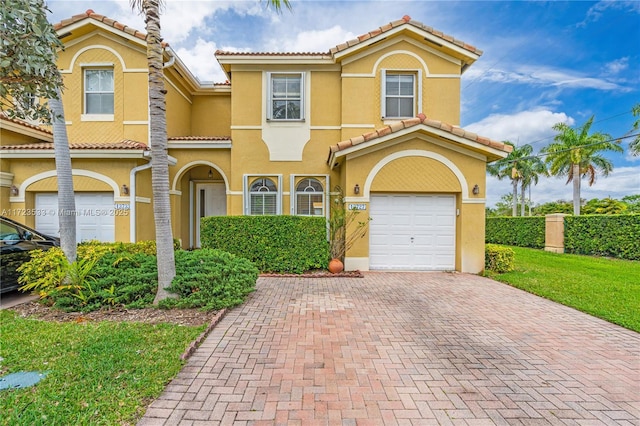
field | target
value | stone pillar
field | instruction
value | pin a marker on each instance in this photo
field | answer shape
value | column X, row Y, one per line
column 554, row 233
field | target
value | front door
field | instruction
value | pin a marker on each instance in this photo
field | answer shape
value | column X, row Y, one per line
column 211, row 200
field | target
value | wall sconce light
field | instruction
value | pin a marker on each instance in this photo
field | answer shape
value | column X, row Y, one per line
column 125, row 189
column 15, row 191
column 476, row 189
column 356, row 189
column 210, row 174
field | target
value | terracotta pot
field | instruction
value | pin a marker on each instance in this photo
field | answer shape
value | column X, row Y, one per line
column 335, row 266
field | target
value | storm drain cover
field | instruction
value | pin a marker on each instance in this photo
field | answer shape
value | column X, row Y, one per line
column 22, row 379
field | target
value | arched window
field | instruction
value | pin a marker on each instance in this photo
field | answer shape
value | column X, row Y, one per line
column 309, row 198
column 263, row 193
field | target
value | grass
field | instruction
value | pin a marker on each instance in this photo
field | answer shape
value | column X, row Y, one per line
column 100, row 373
column 602, row 287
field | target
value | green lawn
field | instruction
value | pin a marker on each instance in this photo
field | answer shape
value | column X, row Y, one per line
column 101, row 373
column 605, row 288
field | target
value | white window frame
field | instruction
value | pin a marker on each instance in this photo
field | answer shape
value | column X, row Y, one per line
column 270, row 76
column 246, row 190
column 86, row 116
column 417, row 94
column 324, row 182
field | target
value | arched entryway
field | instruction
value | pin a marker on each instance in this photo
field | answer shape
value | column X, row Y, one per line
column 203, row 187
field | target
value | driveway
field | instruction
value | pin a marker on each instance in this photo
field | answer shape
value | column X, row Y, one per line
column 407, row 349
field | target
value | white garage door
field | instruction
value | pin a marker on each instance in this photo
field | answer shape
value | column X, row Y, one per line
column 94, row 220
column 412, row 232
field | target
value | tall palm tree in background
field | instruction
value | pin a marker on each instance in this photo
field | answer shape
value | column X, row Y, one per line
column 158, row 141
column 529, row 168
column 577, row 154
column 634, row 146
column 518, row 166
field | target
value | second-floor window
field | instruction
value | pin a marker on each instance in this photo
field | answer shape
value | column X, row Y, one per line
column 286, row 98
column 98, row 91
column 399, row 94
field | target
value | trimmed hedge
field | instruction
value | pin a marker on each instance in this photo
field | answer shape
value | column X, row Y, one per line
column 603, row 235
column 498, row 258
column 283, row 244
column 527, row 231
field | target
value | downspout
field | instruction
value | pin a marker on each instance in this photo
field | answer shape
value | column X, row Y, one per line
column 132, row 199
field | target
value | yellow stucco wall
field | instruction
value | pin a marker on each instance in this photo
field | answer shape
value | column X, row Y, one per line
column 128, row 64
column 211, row 115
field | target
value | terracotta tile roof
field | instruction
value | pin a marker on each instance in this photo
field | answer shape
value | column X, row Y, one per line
column 124, row 144
column 200, row 138
column 227, row 53
column 412, row 122
column 5, row 117
column 105, row 20
column 405, row 20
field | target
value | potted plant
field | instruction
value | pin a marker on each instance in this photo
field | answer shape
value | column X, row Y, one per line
column 342, row 219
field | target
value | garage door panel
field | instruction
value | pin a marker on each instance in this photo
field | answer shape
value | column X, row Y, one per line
column 94, row 219
column 412, row 232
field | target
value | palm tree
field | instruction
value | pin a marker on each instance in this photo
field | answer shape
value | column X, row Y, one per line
column 529, row 168
column 577, row 154
column 510, row 167
column 29, row 71
column 158, row 140
column 634, row 146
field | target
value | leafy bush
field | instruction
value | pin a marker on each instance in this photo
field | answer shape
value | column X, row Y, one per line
column 124, row 274
column 211, row 279
column 293, row 244
column 516, row 231
column 603, row 235
column 498, row 258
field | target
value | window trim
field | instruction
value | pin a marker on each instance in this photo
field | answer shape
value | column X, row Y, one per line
column 417, row 94
column 246, row 190
column 86, row 116
column 270, row 76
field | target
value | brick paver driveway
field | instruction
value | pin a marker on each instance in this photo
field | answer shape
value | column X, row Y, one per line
column 405, row 348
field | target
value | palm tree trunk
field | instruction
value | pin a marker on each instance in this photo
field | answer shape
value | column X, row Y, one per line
column 159, row 152
column 514, row 210
column 576, row 189
column 66, row 196
column 523, row 187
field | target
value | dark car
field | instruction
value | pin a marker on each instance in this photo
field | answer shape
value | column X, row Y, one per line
column 16, row 242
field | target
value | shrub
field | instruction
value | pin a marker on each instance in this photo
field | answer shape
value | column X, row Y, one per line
column 292, row 244
column 105, row 274
column 516, row 231
column 498, row 258
column 211, row 279
column 117, row 274
column 603, row 235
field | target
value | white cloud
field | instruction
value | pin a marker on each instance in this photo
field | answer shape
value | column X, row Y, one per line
column 541, row 76
column 312, row 41
column 200, row 60
column 596, row 11
column 521, row 127
column 615, row 67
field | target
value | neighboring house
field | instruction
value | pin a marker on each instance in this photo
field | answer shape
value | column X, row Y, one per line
column 369, row 116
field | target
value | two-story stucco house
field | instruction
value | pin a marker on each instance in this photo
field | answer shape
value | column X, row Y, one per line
column 377, row 116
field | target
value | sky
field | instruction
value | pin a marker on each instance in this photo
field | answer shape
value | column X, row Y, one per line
column 544, row 62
